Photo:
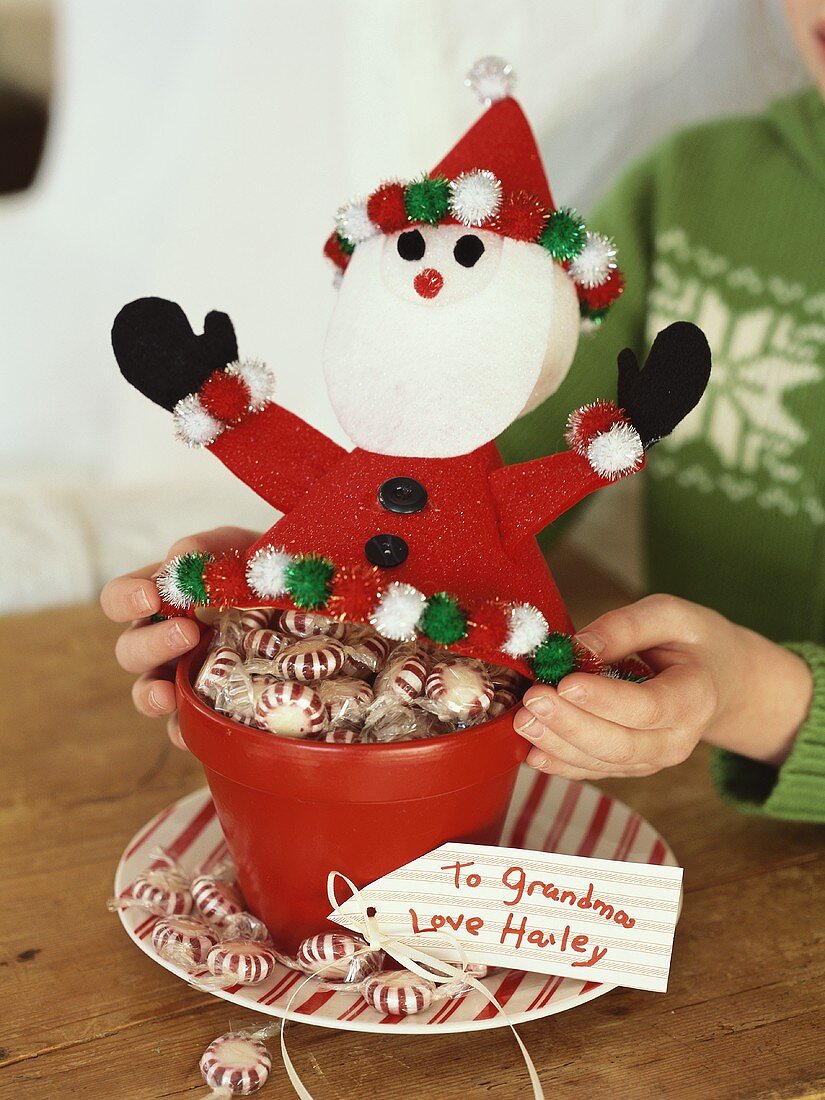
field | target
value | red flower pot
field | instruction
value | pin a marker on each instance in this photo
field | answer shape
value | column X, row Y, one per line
column 292, row 811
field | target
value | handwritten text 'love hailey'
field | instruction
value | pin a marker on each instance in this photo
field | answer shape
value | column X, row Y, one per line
column 516, row 931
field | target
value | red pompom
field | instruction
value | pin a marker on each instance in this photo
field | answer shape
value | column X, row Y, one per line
column 584, row 424
column 630, row 668
column 600, row 297
column 169, row 611
column 521, row 217
column 334, row 252
column 225, row 582
column 354, row 593
column 386, row 208
column 487, row 625
column 225, row 396
column 586, row 659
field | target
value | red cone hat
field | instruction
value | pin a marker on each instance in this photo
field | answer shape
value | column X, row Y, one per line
column 503, row 143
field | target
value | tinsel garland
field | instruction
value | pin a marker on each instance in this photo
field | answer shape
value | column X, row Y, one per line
column 312, row 582
column 475, row 198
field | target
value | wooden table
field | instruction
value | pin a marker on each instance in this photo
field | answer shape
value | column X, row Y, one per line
column 84, row 1012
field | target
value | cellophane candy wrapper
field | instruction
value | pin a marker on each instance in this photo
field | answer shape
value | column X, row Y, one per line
column 298, row 674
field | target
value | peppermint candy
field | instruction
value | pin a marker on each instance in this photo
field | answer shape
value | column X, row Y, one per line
column 220, row 663
column 291, row 710
column 163, row 891
column 345, row 697
column 263, row 643
column 404, row 676
column 256, row 618
column 343, row 733
column 246, row 962
column 236, row 1063
column 313, row 658
column 215, row 899
column 365, row 655
column 334, row 957
column 184, row 940
column 304, row 624
column 503, row 700
column 398, row 993
column 461, row 689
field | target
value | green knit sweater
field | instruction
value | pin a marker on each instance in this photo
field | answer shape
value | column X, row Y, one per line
column 724, row 225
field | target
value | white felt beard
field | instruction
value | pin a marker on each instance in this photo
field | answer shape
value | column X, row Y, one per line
column 434, row 378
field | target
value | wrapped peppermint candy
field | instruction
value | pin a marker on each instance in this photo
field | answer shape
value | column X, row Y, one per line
column 184, row 940
column 404, row 675
column 389, row 720
column 216, row 899
column 256, row 618
column 343, row 732
column 309, row 659
column 338, row 957
column 305, row 624
column 460, row 689
column 162, row 889
column 503, row 700
column 398, row 992
column 264, row 643
column 291, row 710
column 345, row 697
column 218, row 666
column 242, row 962
column 235, row 1064
column 365, row 655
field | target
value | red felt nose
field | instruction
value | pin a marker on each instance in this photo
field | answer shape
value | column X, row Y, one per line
column 428, row 282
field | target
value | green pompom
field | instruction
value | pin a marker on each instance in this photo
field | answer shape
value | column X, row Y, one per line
column 554, row 659
column 594, row 315
column 157, row 618
column 189, row 576
column 564, row 235
column 307, row 581
column 427, row 200
column 443, row 621
column 347, row 247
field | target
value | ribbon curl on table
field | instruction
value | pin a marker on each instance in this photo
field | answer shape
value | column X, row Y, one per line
column 411, row 958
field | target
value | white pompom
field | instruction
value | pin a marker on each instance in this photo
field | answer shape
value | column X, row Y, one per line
column 398, row 611
column 168, row 587
column 194, row 426
column 491, row 79
column 475, row 197
column 593, row 265
column 259, row 379
column 353, row 222
column 266, row 572
column 616, row 452
column 527, row 629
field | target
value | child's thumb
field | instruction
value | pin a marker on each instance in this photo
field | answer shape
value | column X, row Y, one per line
column 650, row 622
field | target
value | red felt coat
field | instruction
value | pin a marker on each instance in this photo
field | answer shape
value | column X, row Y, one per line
column 474, row 538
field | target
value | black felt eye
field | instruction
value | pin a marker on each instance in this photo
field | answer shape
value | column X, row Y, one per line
column 468, row 250
column 411, row 245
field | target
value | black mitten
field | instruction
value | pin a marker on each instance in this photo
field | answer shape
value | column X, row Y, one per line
column 657, row 396
column 161, row 356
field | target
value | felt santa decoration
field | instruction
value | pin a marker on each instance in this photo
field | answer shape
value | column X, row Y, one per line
column 460, row 304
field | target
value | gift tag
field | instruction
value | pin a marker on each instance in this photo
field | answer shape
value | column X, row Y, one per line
column 594, row 919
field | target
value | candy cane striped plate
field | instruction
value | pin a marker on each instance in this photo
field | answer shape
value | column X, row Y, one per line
column 546, row 814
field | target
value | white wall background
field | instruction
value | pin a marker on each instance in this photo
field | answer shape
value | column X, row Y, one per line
column 198, row 150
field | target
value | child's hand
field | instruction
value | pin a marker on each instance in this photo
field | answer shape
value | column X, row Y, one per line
column 713, row 680
column 153, row 649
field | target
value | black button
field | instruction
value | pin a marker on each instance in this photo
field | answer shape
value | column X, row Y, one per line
column 386, row 551
column 403, row 495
